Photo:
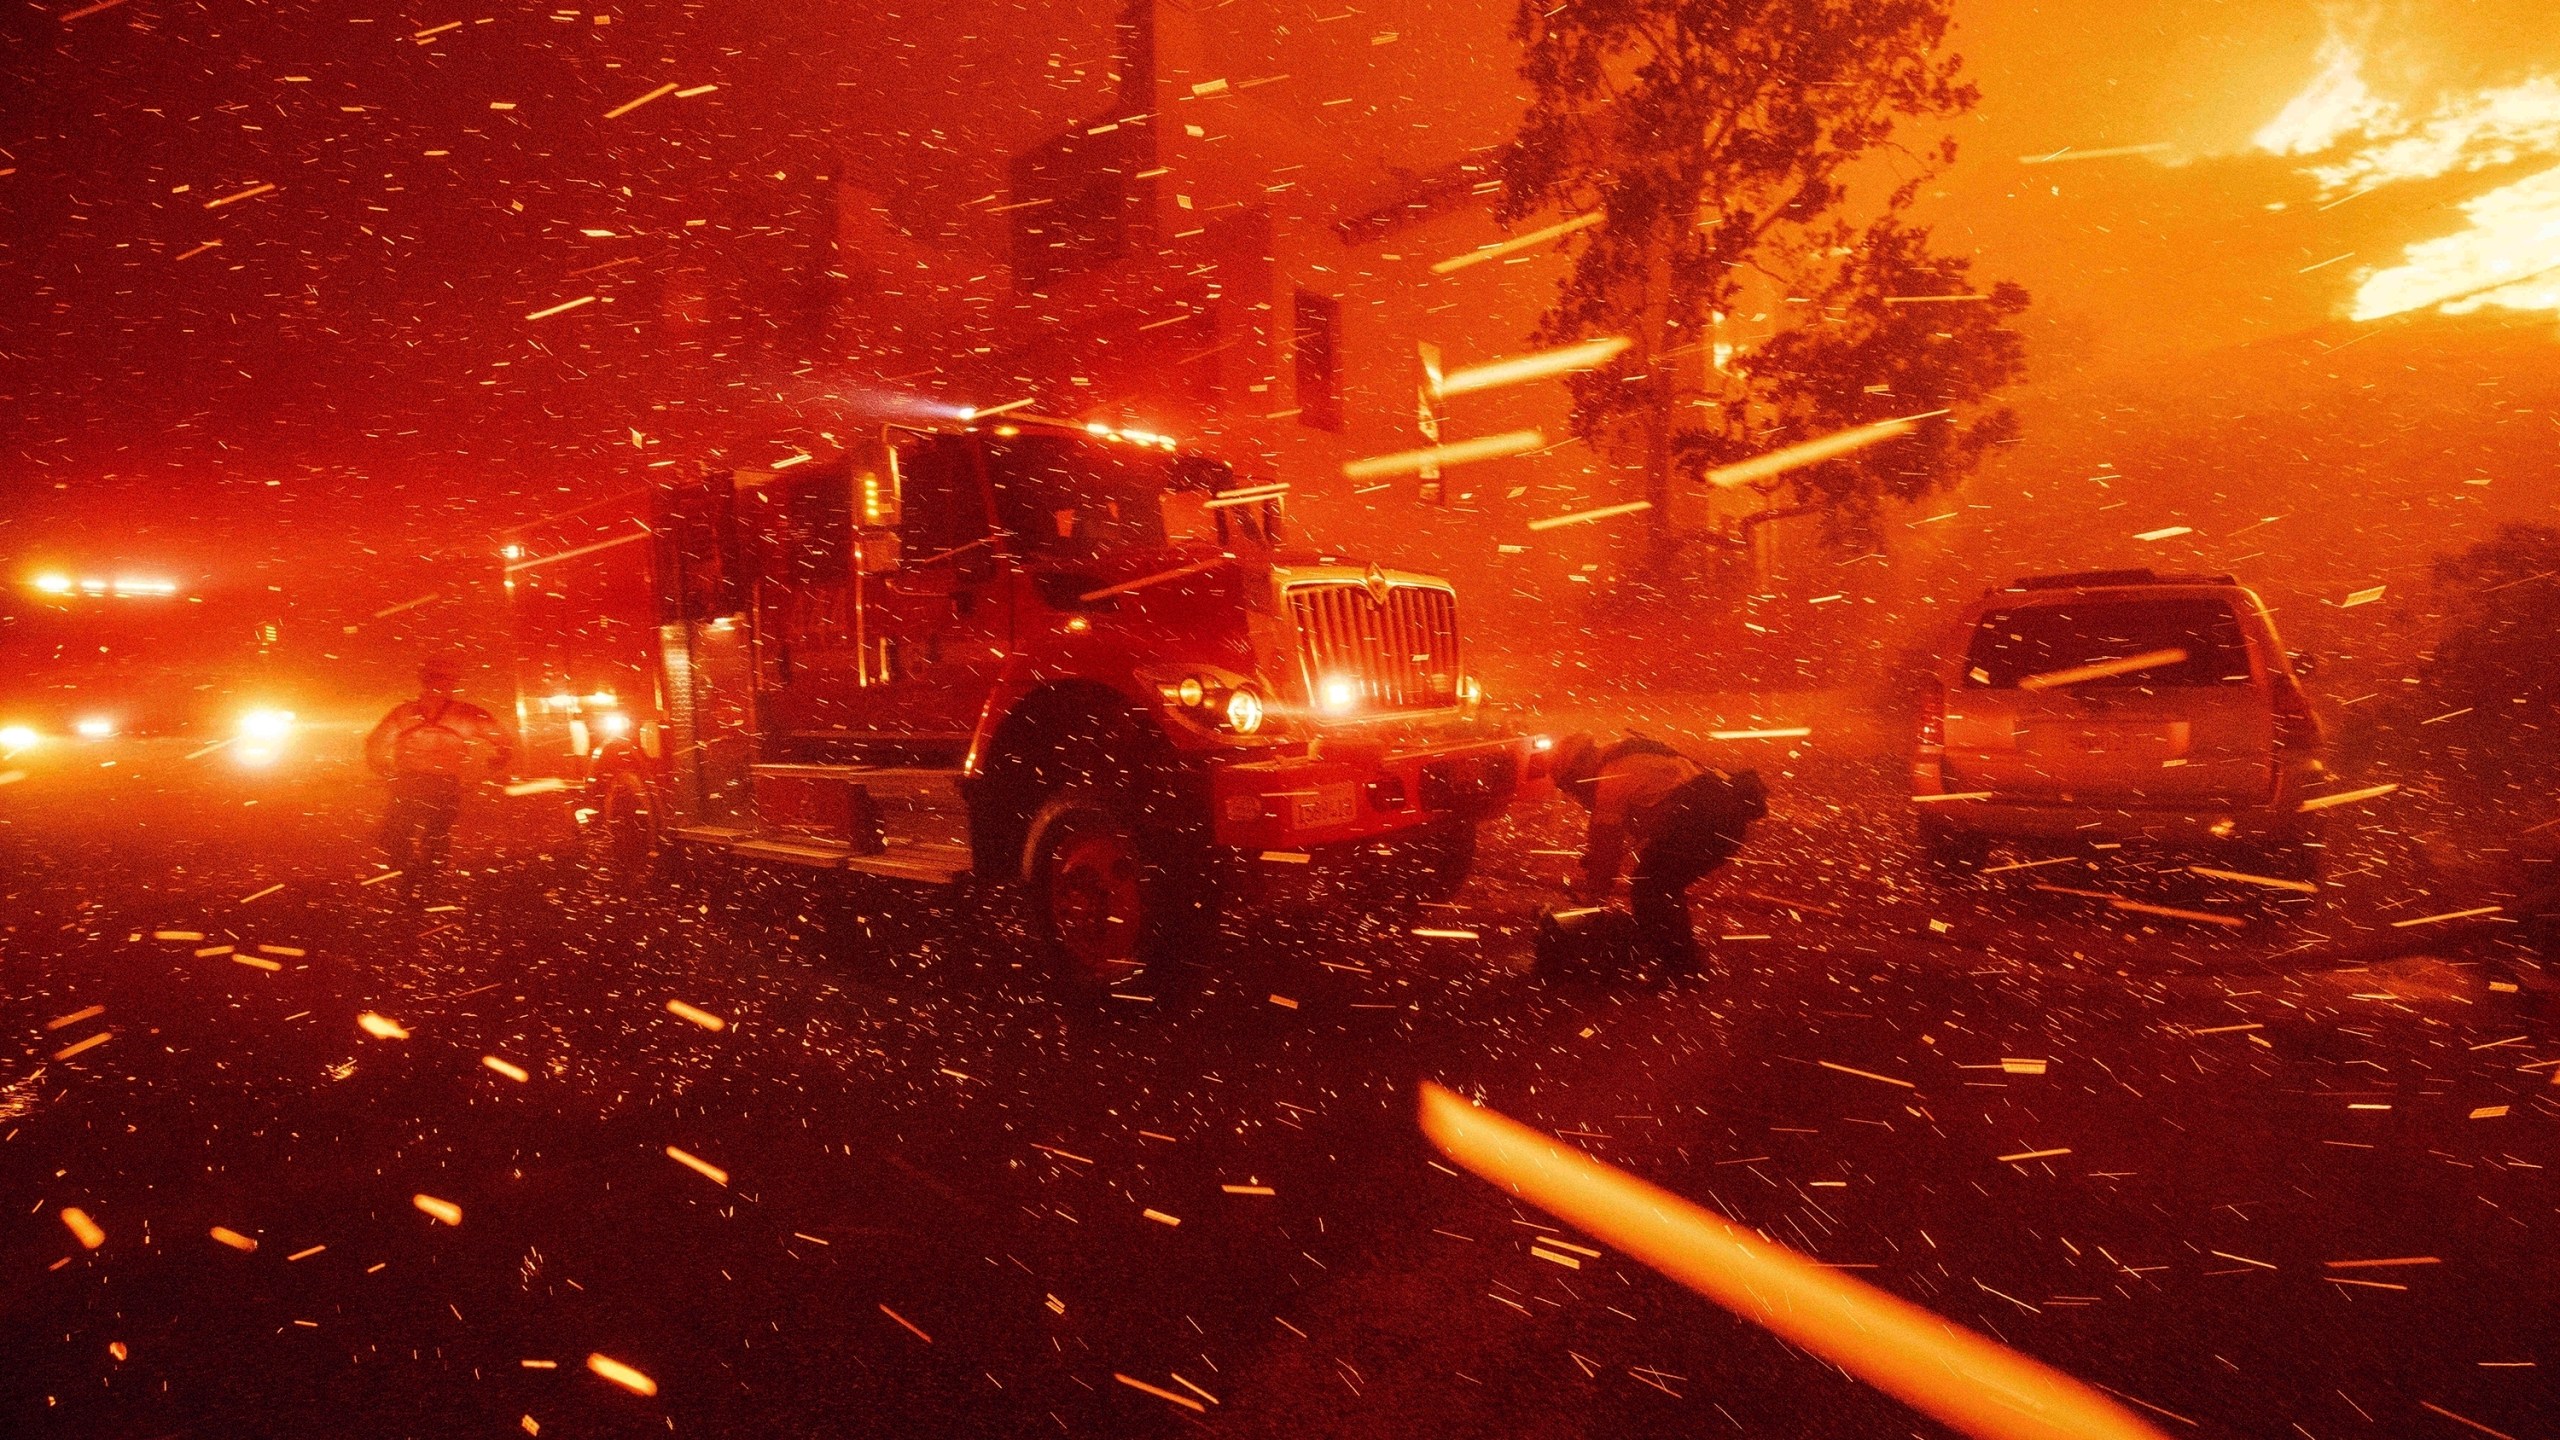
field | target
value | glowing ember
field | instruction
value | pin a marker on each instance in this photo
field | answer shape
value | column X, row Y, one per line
column 698, row 1165
column 703, row 1018
column 82, row 1228
column 622, row 1375
column 381, row 1027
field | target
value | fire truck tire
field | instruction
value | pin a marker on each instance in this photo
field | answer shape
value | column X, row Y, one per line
column 626, row 848
column 1953, row 854
column 1433, row 867
column 1101, row 904
column 2286, row 857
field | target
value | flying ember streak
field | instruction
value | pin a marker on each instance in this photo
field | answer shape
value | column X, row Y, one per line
column 1519, row 369
column 1487, row 447
column 82, row 1228
column 1517, row 243
column 2104, row 669
column 1584, row 517
column 622, row 1375
column 1814, row 451
column 698, row 1165
column 2104, row 152
column 1970, row 1383
column 701, row 1017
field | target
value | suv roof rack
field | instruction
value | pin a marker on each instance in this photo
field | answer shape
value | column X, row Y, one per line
column 2082, row 579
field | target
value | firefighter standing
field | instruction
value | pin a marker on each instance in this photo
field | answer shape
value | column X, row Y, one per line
column 1682, row 819
column 425, row 747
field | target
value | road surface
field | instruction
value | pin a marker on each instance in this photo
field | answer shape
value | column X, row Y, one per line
column 2272, row 1190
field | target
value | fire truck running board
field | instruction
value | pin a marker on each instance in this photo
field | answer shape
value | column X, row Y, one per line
column 793, row 852
column 926, row 863
column 884, row 780
column 929, row 863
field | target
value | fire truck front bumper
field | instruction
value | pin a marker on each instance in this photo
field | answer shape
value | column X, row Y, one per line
column 1344, row 793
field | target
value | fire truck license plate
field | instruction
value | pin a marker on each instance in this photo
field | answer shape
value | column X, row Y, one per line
column 1329, row 805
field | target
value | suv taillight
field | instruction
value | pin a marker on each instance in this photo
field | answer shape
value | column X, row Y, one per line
column 1933, row 717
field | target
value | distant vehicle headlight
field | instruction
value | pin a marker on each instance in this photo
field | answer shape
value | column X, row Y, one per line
column 95, row 727
column 1244, row 711
column 267, row 726
column 18, row 737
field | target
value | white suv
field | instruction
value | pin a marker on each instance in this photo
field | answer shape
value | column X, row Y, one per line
column 2118, row 705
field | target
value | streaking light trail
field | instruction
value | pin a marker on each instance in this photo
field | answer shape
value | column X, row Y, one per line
column 1928, row 1362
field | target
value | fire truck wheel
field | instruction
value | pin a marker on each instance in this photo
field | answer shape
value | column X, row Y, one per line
column 1953, row 854
column 626, row 831
column 1092, row 895
column 1435, row 863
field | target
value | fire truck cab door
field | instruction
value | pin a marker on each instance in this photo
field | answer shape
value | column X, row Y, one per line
column 938, row 622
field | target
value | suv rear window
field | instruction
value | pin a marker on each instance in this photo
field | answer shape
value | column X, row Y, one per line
column 2181, row 642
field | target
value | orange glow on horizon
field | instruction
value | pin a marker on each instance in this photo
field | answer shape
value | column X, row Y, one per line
column 2509, row 254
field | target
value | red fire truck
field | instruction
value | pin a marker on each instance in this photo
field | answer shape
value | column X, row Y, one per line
column 1061, row 657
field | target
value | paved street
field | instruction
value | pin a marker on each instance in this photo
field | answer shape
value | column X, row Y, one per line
column 2272, row 1188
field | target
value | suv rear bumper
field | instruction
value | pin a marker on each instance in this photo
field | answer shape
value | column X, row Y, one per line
column 1348, row 792
column 2112, row 819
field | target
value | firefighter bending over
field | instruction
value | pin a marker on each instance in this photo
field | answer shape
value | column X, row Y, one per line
column 425, row 747
column 1682, row 819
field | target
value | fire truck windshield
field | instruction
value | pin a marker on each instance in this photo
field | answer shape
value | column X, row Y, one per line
column 1068, row 498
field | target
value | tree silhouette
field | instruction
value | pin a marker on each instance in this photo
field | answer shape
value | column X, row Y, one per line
column 1719, row 141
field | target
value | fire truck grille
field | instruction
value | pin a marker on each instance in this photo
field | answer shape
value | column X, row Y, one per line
column 1402, row 655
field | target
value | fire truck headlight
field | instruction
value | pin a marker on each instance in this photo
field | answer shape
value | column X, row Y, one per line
column 18, row 737
column 266, row 726
column 1470, row 690
column 95, row 727
column 1244, row 711
column 614, row 723
column 1338, row 695
column 1191, row 692
column 54, row 584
